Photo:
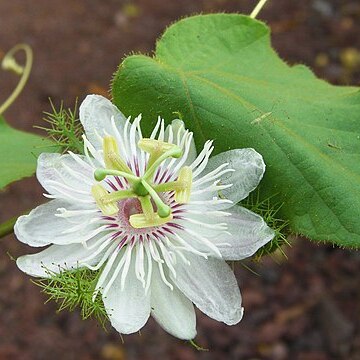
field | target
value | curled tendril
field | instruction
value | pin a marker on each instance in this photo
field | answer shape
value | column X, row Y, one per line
column 9, row 63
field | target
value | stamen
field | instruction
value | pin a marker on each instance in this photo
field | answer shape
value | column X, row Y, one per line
column 139, row 221
column 182, row 186
column 155, row 148
column 112, row 158
column 185, row 178
column 148, row 218
column 100, row 195
column 159, row 151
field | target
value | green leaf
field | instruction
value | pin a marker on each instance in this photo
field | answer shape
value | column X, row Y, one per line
column 221, row 74
column 18, row 153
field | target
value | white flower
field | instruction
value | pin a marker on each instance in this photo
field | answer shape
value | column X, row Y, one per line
column 160, row 222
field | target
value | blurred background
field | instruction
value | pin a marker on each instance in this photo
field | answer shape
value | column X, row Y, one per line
column 303, row 308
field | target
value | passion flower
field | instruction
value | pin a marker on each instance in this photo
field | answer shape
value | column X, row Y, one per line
column 157, row 219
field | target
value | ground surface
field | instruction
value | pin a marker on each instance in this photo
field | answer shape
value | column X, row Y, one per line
column 306, row 308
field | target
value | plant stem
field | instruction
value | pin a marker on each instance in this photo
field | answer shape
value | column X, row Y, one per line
column 257, row 9
column 7, row 227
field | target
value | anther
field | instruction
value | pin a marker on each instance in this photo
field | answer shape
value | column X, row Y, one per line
column 159, row 151
column 100, row 196
column 155, row 148
column 112, row 157
column 182, row 195
column 182, row 186
column 139, row 221
column 148, row 218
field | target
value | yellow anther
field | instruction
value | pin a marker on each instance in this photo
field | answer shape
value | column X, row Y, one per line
column 100, row 195
column 152, row 146
column 148, row 218
column 184, row 181
column 182, row 186
column 139, row 221
column 111, row 155
column 157, row 149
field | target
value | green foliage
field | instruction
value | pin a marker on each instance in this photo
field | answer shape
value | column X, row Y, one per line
column 65, row 128
column 220, row 72
column 268, row 211
column 18, row 153
column 72, row 289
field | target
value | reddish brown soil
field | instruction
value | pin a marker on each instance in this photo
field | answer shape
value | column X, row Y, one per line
column 306, row 308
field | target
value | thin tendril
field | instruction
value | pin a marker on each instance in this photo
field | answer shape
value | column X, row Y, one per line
column 9, row 64
column 258, row 8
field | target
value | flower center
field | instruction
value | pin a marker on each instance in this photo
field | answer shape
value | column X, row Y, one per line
column 129, row 207
column 146, row 207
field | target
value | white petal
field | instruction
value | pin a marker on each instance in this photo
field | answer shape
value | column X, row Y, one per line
column 128, row 309
column 55, row 258
column 172, row 309
column 211, row 285
column 249, row 232
column 42, row 227
column 178, row 130
column 249, row 169
column 65, row 177
column 95, row 115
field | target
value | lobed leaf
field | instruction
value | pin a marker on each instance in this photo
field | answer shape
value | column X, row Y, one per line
column 221, row 74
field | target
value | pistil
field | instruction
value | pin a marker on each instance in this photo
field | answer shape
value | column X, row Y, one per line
column 162, row 209
column 141, row 187
column 101, row 173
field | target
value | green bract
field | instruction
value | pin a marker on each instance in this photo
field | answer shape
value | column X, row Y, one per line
column 18, row 153
column 221, row 74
